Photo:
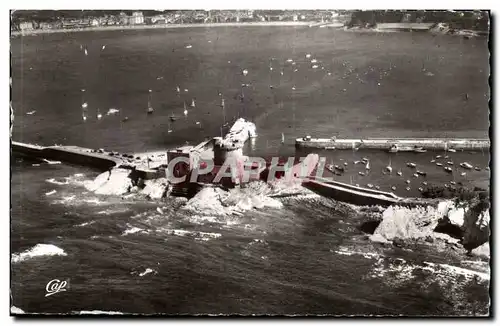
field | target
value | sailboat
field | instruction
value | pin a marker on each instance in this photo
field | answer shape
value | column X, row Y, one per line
column 389, row 167
column 185, row 110
column 193, row 104
column 169, row 129
column 150, row 108
column 282, row 138
column 99, row 115
column 368, row 165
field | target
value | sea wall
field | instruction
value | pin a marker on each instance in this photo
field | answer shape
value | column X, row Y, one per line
column 401, row 143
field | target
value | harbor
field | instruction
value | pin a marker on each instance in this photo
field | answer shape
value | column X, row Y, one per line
column 122, row 140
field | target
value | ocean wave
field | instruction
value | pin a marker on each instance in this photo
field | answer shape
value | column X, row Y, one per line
column 133, row 230
column 148, row 271
column 50, row 193
column 368, row 255
column 85, row 223
column 398, row 271
column 113, row 211
column 37, row 251
column 205, row 236
column 56, row 182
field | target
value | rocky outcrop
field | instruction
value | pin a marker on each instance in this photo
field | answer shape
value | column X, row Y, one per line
column 464, row 220
column 156, row 188
column 113, row 182
column 482, row 251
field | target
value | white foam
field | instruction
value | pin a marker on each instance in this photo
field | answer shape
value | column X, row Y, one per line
column 51, row 162
column 132, row 230
column 197, row 234
column 456, row 270
column 367, row 255
column 147, row 271
column 50, row 193
column 16, row 310
column 86, row 223
column 36, row 251
column 54, row 181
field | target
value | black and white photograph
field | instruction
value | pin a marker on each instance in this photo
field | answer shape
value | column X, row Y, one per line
column 250, row 162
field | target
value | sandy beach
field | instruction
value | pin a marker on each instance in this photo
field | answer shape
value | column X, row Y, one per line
column 162, row 26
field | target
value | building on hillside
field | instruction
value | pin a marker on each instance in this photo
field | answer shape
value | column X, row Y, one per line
column 137, row 18
column 26, row 26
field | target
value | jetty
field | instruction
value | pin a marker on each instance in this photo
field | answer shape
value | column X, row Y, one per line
column 402, row 144
column 146, row 165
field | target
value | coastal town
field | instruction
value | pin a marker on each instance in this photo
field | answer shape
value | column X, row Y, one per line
column 51, row 20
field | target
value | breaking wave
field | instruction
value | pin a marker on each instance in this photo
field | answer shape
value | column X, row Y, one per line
column 37, row 251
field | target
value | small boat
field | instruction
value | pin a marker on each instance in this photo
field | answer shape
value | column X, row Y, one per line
column 31, row 112
column 361, row 173
column 345, row 163
column 193, row 104
column 393, row 188
column 420, row 189
column 150, row 108
column 369, row 185
column 417, row 149
column 449, row 163
column 377, row 187
column 453, row 183
column 422, row 173
column 439, row 164
column 172, row 118
column 400, row 173
column 408, row 181
column 125, row 119
column 452, row 150
column 433, row 161
column 424, row 183
column 99, row 115
column 393, row 149
column 389, row 167
column 411, row 165
column 448, row 169
column 463, row 174
column 282, row 138
column 367, row 165
column 338, row 167
column 178, row 89
column 415, row 175
column 466, row 165
column 438, row 156
column 477, row 168
column 408, row 188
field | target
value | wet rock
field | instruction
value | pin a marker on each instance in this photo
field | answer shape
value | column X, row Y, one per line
column 482, row 251
column 378, row 238
column 156, row 188
column 406, row 223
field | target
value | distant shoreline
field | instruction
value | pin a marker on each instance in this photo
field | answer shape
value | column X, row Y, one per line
column 162, row 26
